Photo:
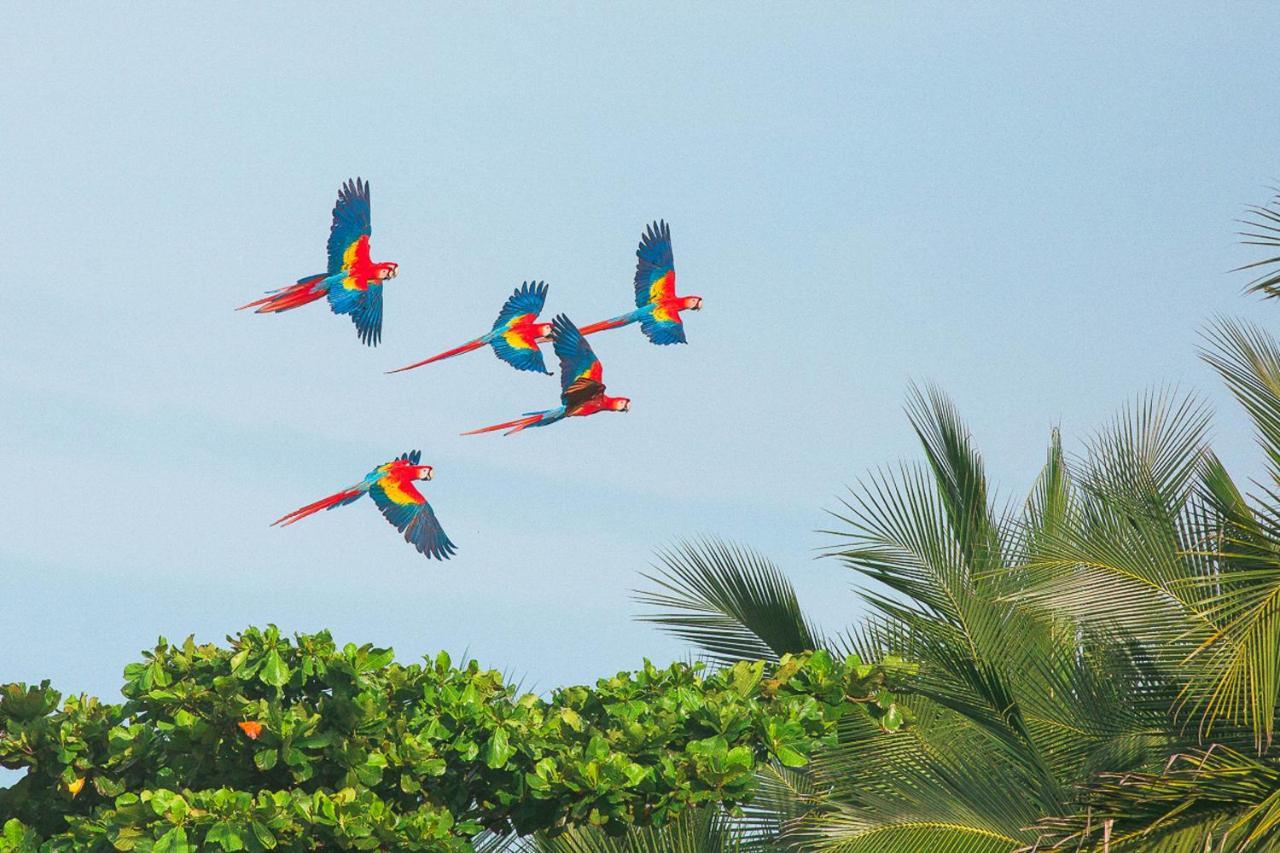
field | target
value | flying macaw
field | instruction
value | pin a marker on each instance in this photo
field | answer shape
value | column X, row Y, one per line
column 515, row 333
column 353, row 282
column 657, row 306
column 581, row 383
column 391, row 487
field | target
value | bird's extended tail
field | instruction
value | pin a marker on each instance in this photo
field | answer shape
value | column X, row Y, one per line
column 467, row 347
column 345, row 496
column 605, row 325
column 530, row 419
column 288, row 297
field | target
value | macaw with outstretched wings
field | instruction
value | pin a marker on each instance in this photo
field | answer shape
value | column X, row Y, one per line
column 515, row 334
column 657, row 305
column 391, row 487
column 353, row 282
column 581, row 383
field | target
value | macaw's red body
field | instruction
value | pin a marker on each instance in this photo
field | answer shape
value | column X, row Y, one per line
column 515, row 334
column 391, row 486
column 581, row 383
column 658, row 306
column 353, row 283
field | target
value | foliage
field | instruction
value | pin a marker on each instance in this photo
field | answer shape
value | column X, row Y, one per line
column 1216, row 796
column 271, row 743
column 1262, row 224
column 700, row 830
column 709, row 593
column 1099, row 663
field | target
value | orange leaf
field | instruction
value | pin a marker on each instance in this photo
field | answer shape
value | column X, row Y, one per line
column 252, row 728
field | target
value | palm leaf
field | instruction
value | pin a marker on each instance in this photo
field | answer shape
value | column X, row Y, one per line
column 702, row 830
column 729, row 601
column 1215, row 799
column 1248, row 360
column 1262, row 226
column 958, row 474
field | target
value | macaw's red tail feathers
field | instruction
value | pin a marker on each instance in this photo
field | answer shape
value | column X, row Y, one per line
column 287, row 297
column 603, row 326
column 510, row 426
column 467, row 347
column 345, row 496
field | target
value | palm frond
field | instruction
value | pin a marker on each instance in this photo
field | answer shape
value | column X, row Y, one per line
column 958, row 475
column 702, row 830
column 1217, row 798
column 1248, row 360
column 1122, row 562
column 729, row 601
column 1262, row 228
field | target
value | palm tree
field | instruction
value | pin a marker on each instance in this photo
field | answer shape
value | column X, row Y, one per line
column 1100, row 662
column 702, row 830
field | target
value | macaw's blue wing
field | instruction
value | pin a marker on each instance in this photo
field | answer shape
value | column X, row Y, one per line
column 655, row 268
column 528, row 298
column 408, row 511
column 513, row 339
column 520, row 350
column 662, row 327
column 364, row 306
column 351, row 229
column 581, row 374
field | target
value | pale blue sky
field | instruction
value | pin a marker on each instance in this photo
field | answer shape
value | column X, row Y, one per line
column 1029, row 205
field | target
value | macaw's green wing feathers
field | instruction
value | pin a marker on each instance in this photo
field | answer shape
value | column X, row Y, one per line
column 408, row 511
column 349, row 234
column 655, row 267
column 581, row 374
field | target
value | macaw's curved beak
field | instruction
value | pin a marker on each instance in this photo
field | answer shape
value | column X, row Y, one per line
column 426, row 472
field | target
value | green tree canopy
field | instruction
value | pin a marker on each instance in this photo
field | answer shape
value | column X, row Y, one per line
column 273, row 743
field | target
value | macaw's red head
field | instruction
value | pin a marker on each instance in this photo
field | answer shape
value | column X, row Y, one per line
column 422, row 472
column 691, row 303
column 543, row 330
column 617, row 404
column 386, row 271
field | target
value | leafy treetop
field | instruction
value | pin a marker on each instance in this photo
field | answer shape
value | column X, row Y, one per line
column 296, row 744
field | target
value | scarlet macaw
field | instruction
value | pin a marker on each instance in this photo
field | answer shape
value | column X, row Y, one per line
column 353, row 282
column 581, row 383
column 391, row 487
column 515, row 333
column 657, row 306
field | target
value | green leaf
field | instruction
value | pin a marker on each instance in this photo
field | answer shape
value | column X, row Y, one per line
column 18, row 838
column 173, row 841
column 263, row 834
column 274, row 671
column 224, row 835
column 265, row 759
column 500, row 749
column 789, row 757
column 892, row 719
